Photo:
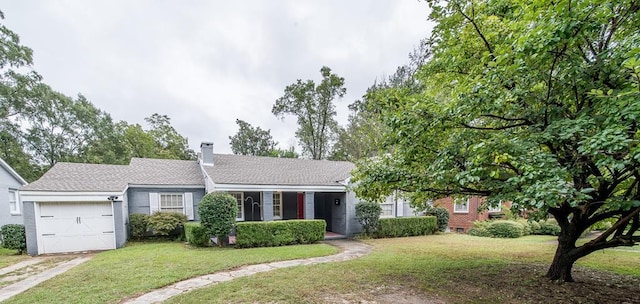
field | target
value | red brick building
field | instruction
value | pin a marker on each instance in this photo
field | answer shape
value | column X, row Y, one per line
column 463, row 212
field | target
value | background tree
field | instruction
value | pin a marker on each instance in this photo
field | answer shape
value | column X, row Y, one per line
column 536, row 102
column 170, row 144
column 313, row 107
column 361, row 137
column 251, row 140
column 284, row 153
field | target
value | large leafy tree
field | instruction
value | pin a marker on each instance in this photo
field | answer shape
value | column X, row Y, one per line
column 313, row 106
column 536, row 102
column 251, row 140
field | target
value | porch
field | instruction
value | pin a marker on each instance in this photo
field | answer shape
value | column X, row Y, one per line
column 288, row 205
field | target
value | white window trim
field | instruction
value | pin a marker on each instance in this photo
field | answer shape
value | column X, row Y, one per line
column 495, row 209
column 392, row 204
column 240, row 216
column 184, row 205
column 456, row 203
column 18, row 210
column 274, row 205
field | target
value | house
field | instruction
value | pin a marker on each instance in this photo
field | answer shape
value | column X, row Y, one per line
column 464, row 211
column 10, row 182
column 81, row 207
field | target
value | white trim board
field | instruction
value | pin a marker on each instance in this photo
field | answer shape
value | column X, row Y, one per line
column 279, row 188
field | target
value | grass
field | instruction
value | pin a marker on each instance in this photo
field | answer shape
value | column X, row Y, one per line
column 449, row 268
column 114, row 275
column 9, row 257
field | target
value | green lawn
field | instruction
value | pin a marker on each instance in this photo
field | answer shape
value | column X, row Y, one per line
column 9, row 257
column 140, row 267
column 451, row 268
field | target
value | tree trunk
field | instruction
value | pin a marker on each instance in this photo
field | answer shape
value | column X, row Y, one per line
column 560, row 269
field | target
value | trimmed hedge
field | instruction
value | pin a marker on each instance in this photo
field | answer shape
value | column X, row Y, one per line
column 407, row 226
column 279, row 233
column 13, row 237
column 196, row 235
column 505, row 229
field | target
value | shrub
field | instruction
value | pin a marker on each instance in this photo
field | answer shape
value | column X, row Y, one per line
column 218, row 212
column 13, row 237
column 138, row 225
column 442, row 216
column 278, row 233
column 535, row 227
column 480, row 229
column 368, row 215
column 196, row 234
column 549, row 227
column 166, row 223
column 407, row 226
column 603, row 225
column 505, row 229
column 526, row 226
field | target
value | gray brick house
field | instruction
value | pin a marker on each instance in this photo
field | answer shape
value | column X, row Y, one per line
column 79, row 207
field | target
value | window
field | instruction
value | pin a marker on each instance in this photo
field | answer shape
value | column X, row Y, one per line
column 387, row 209
column 240, row 200
column 496, row 208
column 277, row 205
column 172, row 203
column 14, row 204
column 461, row 205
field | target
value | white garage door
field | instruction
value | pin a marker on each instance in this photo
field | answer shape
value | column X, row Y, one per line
column 75, row 226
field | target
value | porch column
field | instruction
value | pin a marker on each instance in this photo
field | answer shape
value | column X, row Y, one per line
column 267, row 206
column 309, row 205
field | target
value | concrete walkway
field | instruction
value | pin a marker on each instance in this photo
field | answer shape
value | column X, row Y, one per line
column 349, row 250
column 20, row 286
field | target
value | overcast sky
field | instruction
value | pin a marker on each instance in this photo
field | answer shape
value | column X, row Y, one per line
column 206, row 63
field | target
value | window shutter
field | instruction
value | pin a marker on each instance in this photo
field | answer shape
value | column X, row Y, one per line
column 188, row 205
column 154, row 202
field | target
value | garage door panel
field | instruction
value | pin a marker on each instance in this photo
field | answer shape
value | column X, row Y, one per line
column 73, row 226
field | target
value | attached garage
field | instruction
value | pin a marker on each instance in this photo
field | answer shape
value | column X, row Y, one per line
column 74, row 226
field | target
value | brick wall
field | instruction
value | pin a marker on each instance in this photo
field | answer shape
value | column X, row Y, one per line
column 462, row 221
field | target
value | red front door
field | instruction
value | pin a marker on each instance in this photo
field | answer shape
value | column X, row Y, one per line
column 300, row 205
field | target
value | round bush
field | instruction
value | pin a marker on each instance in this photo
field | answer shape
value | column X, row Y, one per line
column 549, row 227
column 13, row 237
column 138, row 225
column 505, row 229
column 526, row 226
column 368, row 215
column 166, row 223
column 218, row 212
column 442, row 216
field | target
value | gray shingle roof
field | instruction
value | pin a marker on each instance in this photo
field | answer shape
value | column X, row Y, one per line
column 228, row 169
column 148, row 171
column 95, row 178
column 81, row 177
column 256, row 170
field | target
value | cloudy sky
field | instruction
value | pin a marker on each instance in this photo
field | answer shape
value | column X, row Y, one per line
column 206, row 63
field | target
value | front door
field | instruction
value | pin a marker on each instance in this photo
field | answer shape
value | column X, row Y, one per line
column 300, row 205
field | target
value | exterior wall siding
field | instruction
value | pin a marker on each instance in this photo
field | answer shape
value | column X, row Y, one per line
column 353, row 226
column 7, row 181
column 309, row 205
column 267, row 206
column 30, row 227
column 119, row 224
column 138, row 198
